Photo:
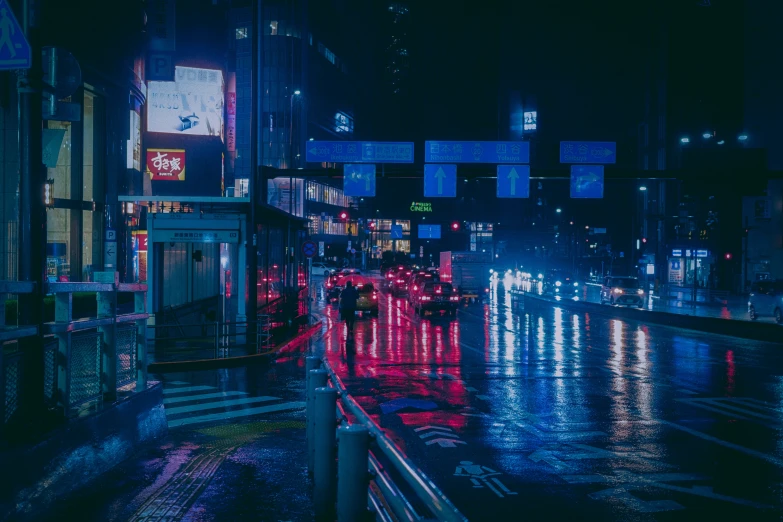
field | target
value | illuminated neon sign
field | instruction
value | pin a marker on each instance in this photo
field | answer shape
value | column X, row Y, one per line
column 421, row 207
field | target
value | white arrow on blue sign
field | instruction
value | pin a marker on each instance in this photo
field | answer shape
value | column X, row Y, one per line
column 359, row 180
column 588, row 152
column 440, row 181
column 587, row 181
column 15, row 51
column 513, row 181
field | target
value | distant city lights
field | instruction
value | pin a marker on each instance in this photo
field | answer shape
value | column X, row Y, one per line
column 685, row 139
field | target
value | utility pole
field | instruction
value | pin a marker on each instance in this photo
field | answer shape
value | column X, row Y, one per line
column 32, row 218
column 255, row 171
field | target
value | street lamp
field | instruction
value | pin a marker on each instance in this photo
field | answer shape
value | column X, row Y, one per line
column 642, row 188
column 743, row 137
column 559, row 210
column 685, row 139
column 707, row 135
column 721, row 142
column 297, row 92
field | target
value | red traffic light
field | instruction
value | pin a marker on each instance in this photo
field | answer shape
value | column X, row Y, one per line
column 728, row 256
column 455, row 226
column 343, row 215
column 372, row 225
column 644, row 240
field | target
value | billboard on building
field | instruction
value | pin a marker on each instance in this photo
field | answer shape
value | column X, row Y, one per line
column 166, row 164
column 192, row 104
column 231, row 113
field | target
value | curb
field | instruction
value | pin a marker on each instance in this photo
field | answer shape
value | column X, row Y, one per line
column 743, row 329
column 232, row 362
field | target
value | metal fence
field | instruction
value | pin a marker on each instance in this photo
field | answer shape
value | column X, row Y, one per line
column 126, row 354
column 85, row 365
column 11, row 380
column 349, row 478
column 50, row 370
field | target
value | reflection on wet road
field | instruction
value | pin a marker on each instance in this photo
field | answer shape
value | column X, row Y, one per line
column 565, row 415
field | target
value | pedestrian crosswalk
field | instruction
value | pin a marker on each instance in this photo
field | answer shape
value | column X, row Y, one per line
column 188, row 404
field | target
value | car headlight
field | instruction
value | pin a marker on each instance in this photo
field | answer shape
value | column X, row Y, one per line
column 558, row 283
column 618, row 291
column 640, row 292
column 576, row 284
column 541, row 276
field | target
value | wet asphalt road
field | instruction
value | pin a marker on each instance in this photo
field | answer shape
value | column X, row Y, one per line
column 543, row 413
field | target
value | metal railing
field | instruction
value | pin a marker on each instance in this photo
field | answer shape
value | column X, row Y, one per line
column 349, row 478
column 83, row 360
column 216, row 340
column 97, row 356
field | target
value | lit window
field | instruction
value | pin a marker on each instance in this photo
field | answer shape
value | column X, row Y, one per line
column 273, row 26
column 241, row 33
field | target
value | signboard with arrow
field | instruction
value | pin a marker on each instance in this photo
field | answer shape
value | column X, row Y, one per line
column 588, row 152
column 359, row 180
column 440, row 181
column 513, row 181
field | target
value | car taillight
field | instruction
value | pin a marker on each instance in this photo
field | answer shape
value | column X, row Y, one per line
column 486, row 290
column 375, row 296
column 454, row 298
column 425, row 298
column 415, row 288
column 328, row 285
column 399, row 281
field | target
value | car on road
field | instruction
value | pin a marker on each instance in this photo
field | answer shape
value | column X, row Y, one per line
column 560, row 283
column 765, row 300
column 625, row 291
column 417, row 281
column 368, row 299
column 322, row 268
column 436, row 296
column 398, row 285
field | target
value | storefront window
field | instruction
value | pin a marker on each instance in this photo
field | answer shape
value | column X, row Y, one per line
column 58, row 236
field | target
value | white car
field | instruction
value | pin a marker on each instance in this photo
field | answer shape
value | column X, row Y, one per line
column 321, row 268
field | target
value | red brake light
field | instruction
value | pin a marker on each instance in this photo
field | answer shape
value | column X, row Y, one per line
column 399, row 281
column 486, row 290
column 454, row 298
column 375, row 296
column 415, row 288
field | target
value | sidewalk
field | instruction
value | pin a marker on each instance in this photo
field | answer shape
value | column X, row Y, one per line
column 236, row 450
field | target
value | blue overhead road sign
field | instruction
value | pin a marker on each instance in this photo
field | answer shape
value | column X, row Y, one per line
column 440, row 181
column 359, row 152
column 587, row 181
column 15, row 52
column 359, row 180
column 513, row 181
column 396, row 231
column 477, row 151
column 588, row 152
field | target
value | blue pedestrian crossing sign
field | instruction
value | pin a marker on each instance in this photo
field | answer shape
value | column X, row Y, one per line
column 513, row 181
column 587, row 181
column 15, row 52
column 396, row 231
column 359, row 180
column 440, row 181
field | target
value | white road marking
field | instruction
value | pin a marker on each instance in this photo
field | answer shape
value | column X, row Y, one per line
column 236, row 414
column 188, row 398
column 168, row 391
column 213, row 405
column 764, row 456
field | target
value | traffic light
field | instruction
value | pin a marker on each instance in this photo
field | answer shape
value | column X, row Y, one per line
column 644, row 240
column 728, row 256
column 343, row 215
column 372, row 225
column 455, row 226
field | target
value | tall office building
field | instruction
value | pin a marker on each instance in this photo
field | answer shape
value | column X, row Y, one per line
column 398, row 27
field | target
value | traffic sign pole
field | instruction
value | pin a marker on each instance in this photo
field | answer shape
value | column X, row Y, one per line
column 32, row 219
